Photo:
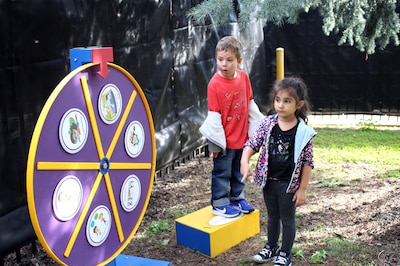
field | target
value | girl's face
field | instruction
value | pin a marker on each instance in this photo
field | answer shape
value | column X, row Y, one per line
column 227, row 63
column 285, row 104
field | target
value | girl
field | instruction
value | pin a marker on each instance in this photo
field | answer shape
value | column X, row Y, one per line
column 284, row 165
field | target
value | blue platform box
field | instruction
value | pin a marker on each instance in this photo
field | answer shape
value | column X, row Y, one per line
column 194, row 231
column 124, row 260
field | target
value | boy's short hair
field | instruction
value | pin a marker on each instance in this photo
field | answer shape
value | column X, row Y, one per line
column 229, row 43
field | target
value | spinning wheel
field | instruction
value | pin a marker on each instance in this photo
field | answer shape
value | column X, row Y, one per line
column 91, row 165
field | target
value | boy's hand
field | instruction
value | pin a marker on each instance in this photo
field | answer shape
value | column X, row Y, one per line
column 214, row 154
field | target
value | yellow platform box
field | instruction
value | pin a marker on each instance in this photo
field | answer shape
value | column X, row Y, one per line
column 211, row 235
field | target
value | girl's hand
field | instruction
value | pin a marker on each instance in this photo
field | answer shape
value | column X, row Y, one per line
column 300, row 197
column 246, row 171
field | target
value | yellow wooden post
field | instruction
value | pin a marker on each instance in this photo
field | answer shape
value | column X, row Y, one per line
column 280, row 63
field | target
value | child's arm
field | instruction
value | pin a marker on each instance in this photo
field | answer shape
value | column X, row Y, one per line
column 245, row 168
column 214, row 149
column 300, row 195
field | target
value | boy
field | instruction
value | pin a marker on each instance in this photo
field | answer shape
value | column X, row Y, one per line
column 232, row 117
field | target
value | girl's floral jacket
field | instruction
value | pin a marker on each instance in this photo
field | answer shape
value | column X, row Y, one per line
column 303, row 150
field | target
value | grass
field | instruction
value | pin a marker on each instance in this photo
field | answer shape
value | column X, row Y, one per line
column 164, row 225
column 344, row 250
column 372, row 149
column 157, row 227
column 338, row 154
column 357, row 145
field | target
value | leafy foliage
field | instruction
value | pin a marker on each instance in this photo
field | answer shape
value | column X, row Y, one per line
column 318, row 257
column 156, row 227
column 216, row 10
column 365, row 24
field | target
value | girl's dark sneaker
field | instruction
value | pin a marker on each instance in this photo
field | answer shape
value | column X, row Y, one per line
column 266, row 254
column 282, row 260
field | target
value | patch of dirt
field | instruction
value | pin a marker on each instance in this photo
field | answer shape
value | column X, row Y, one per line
column 366, row 212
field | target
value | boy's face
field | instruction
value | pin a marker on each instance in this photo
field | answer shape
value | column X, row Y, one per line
column 227, row 63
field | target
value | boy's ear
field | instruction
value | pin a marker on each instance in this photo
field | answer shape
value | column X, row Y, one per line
column 300, row 104
column 240, row 60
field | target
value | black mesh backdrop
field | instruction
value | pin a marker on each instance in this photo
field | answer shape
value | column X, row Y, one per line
column 172, row 59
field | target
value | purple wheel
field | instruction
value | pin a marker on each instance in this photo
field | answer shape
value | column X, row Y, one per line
column 91, row 166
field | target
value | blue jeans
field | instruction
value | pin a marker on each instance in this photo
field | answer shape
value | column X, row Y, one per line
column 226, row 185
column 281, row 209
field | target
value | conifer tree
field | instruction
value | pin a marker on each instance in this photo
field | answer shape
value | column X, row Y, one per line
column 365, row 24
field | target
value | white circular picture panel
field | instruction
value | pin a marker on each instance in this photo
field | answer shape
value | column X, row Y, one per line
column 67, row 198
column 134, row 139
column 98, row 226
column 130, row 193
column 110, row 103
column 73, row 130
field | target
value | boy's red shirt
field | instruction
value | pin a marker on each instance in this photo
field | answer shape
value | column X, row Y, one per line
column 230, row 98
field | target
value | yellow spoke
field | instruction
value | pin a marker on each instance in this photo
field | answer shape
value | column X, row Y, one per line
column 90, row 166
column 114, row 207
column 121, row 124
column 93, row 121
column 82, row 217
column 67, row 166
column 130, row 166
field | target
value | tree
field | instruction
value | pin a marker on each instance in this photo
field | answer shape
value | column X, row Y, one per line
column 365, row 24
